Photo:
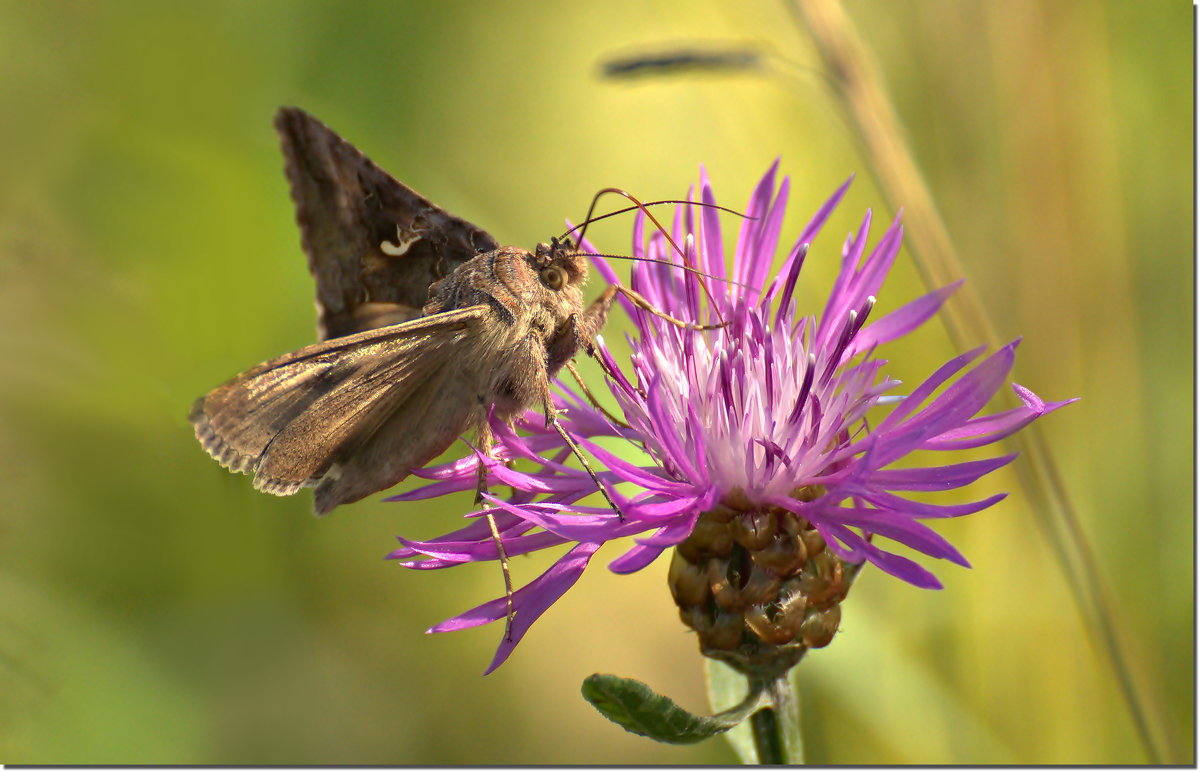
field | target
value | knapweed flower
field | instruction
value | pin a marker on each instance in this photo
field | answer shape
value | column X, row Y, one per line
column 767, row 450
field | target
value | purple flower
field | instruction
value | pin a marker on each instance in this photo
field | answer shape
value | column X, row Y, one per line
column 773, row 410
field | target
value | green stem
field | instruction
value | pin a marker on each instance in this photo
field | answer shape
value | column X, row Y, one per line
column 764, row 727
column 776, row 728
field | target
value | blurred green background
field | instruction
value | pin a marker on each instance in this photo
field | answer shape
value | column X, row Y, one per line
column 154, row 609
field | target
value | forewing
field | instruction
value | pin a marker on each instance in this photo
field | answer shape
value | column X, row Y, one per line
column 374, row 245
column 298, row 418
column 407, row 437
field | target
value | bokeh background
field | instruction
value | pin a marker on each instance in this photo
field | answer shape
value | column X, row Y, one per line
column 154, row 609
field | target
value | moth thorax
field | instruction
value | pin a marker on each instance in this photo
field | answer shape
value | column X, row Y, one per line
column 758, row 585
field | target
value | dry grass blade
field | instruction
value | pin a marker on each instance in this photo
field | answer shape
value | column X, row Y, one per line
column 859, row 91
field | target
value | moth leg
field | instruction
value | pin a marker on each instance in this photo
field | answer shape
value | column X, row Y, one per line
column 552, row 421
column 646, row 306
column 594, row 316
column 486, row 440
column 591, row 397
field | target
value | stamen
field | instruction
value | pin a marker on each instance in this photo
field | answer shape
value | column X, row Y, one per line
column 863, row 313
column 835, row 355
column 805, row 387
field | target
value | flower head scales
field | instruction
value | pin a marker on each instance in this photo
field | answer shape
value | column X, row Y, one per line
column 770, row 409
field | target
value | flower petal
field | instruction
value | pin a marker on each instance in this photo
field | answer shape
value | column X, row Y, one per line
column 529, row 602
column 901, row 321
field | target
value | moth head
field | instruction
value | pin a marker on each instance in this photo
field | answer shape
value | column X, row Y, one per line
column 559, row 265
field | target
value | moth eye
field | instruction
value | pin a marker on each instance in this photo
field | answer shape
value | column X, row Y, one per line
column 554, row 277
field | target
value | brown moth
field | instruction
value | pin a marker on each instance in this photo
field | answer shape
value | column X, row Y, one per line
column 424, row 322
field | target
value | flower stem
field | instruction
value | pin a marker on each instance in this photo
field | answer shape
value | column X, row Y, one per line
column 765, row 728
column 776, row 728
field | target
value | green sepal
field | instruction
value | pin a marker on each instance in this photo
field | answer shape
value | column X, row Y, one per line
column 638, row 709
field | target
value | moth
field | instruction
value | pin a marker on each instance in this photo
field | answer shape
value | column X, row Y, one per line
column 425, row 322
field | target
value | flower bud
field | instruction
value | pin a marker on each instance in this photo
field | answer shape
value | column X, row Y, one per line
column 758, row 586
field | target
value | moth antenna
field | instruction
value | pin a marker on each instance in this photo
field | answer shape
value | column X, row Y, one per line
column 666, row 234
column 687, row 268
column 627, row 209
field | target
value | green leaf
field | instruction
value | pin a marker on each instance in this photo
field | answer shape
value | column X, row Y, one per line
column 638, row 709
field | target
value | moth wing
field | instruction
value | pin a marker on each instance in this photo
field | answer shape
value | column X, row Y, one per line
column 407, row 436
column 348, row 209
column 358, row 412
